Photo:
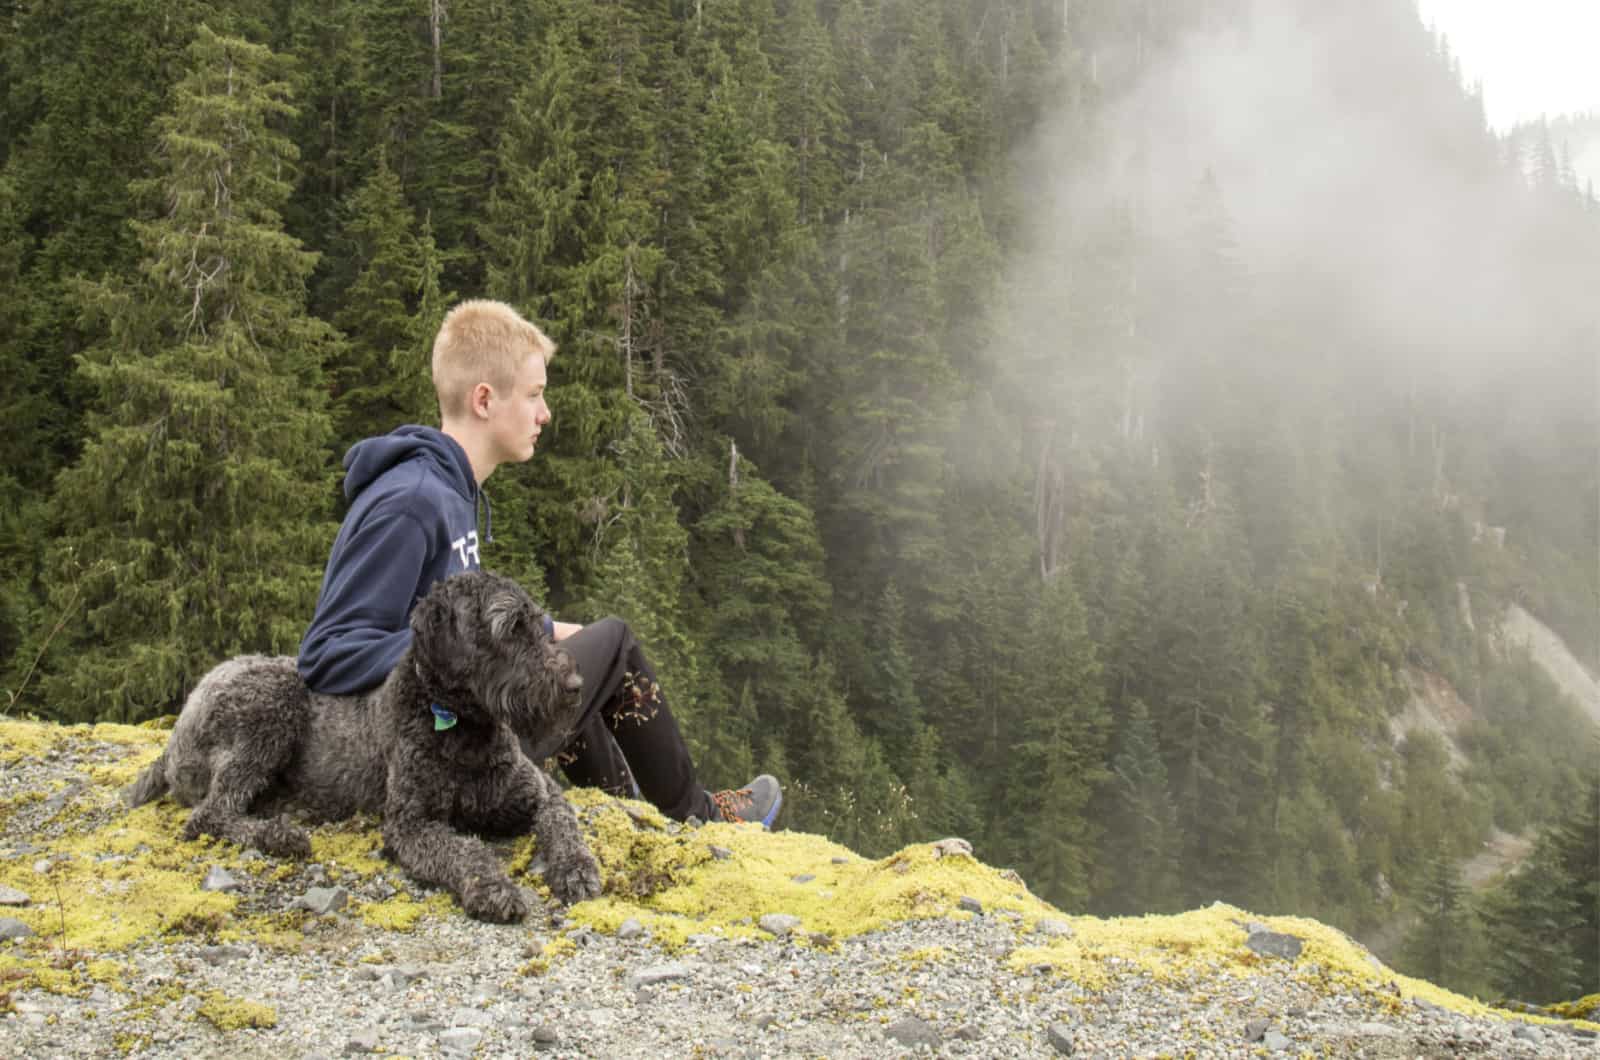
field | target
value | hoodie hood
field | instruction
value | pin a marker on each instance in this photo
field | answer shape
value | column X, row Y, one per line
column 370, row 458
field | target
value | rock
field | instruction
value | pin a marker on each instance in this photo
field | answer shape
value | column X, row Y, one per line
column 1056, row 928
column 721, row 853
column 219, row 879
column 693, row 822
column 365, row 1041
column 215, row 955
column 13, row 929
column 630, row 929
column 804, row 877
column 545, row 1037
column 840, row 861
column 642, row 816
column 12, row 896
column 966, row 1033
column 660, row 973
column 1273, row 944
column 763, row 1020
column 42, row 866
column 322, row 900
column 1375, row 1030
column 1275, row 1042
column 1526, row 1033
column 912, row 1031
column 970, row 904
column 952, row 847
column 779, row 924
column 460, row 1039
column 1255, row 1030
column 1060, row 1036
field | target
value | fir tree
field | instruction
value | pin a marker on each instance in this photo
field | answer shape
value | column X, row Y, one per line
column 189, row 527
column 391, row 311
column 1443, row 947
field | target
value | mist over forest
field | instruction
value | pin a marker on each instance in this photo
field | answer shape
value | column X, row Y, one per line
column 1095, row 428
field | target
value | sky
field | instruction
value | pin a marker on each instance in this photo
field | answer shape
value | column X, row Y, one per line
column 1533, row 56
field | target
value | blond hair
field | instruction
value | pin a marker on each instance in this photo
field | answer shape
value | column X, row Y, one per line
column 482, row 341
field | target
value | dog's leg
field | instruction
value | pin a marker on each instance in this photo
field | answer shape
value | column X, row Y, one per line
column 436, row 854
column 529, row 800
column 235, row 784
column 570, row 870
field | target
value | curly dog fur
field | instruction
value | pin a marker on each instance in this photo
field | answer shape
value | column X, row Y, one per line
column 252, row 739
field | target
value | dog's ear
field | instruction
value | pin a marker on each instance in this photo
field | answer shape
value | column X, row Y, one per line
column 503, row 613
column 433, row 631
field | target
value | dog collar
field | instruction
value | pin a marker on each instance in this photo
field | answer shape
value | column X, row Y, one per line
column 442, row 719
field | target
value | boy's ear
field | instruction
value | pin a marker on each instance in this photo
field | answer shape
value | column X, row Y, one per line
column 478, row 400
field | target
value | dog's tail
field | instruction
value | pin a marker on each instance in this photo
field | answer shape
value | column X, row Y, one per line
column 151, row 785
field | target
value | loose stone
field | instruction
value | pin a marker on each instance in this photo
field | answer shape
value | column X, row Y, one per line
column 912, row 1031
column 1273, row 944
column 1055, row 928
column 219, row 879
column 1275, row 1042
column 970, row 904
column 779, row 924
column 460, row 1039
column 804, row 877
column 630, row 929
column 1060, row 1036
column 361, row 1042
column 323, row 900
column 13, row 929
column 12, row 896
column 721, row 853
column 660, row 973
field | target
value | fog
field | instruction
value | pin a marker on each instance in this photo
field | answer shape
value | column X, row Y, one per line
column 1358, row 180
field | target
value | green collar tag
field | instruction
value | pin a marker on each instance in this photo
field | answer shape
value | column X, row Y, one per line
column 442, row 719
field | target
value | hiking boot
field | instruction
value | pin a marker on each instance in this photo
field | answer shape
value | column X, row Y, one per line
column 758, row 801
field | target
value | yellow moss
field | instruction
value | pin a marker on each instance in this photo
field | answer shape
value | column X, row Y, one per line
column 352, row 846
column 1580, row 1009
column 549, row 954
column 402, row 912
column 927, row 955
column 732, row 894
column 231, row 1013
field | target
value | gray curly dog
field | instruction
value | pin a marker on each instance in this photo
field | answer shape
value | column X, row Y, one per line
column 251, row 739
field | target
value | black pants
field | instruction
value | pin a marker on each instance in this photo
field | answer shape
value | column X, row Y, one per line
column 628, row 743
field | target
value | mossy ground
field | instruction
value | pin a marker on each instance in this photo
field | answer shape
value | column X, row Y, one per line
column 117, row 879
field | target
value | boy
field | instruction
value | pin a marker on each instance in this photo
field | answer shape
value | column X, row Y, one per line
column 414, row 496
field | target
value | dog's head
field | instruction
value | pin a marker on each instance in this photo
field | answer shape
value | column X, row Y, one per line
column 480, row 650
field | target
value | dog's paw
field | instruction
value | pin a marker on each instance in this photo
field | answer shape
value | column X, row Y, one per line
column 498, row 901
column 575, row 881
column 283, row 840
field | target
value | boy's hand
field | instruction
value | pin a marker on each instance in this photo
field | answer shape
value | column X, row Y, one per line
column 566, row 629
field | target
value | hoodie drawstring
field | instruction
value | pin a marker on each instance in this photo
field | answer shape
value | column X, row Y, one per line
column 488, row 517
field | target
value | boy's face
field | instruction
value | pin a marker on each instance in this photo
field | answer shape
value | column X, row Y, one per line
column 517, row 417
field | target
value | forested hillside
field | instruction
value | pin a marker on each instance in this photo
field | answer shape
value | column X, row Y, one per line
column 1062, row 423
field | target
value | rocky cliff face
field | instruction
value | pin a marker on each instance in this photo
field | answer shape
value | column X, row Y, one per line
column 116, row 937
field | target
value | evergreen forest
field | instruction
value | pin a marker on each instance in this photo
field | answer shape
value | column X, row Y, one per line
column 1076, row 425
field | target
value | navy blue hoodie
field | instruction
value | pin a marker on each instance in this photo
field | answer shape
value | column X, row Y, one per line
column 412, row 521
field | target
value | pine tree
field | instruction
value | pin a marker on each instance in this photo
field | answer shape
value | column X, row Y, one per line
column 1141, row 829
column 1443, row 946
column 189, row 526
column 1058, row 758
column 391, row 311
column 1534, row 927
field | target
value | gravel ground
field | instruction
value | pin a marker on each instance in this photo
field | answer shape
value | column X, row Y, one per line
column 553, row 987
column 937, row 987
